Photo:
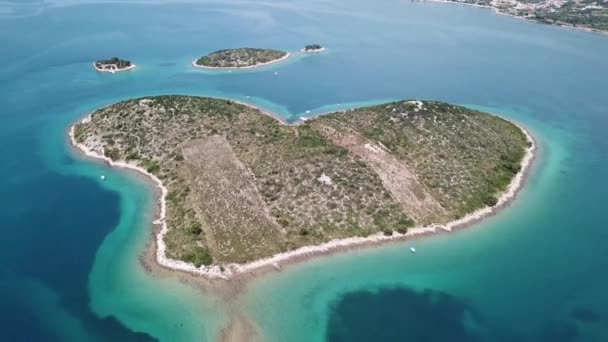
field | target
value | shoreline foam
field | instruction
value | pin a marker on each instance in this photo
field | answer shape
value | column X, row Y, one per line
column 234, row 270
column 259, row 65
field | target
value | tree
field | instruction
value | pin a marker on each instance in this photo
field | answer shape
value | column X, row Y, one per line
column 312, row 47
column 199, row 256
column 490, row 200
column 195, row 228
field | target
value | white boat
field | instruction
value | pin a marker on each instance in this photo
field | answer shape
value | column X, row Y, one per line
column 103, row 177
column 307, row 112
column 412, row 249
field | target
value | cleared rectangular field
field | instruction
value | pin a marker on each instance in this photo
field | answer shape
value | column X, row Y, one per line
column 236, row 221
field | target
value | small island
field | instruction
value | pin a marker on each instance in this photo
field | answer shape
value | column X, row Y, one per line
column 241, row 189
column 113, row 65
column 242, row 58
column 313, row 48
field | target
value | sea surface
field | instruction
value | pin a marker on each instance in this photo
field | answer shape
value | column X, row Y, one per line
column 69, row 267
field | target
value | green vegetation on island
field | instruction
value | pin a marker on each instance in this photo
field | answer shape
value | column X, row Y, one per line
column 242, row 185
column 591, row 14
column 240, row 58
column 113, row 63
column 312, row 47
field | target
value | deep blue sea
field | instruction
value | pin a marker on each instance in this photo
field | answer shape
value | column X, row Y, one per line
column 69, row 268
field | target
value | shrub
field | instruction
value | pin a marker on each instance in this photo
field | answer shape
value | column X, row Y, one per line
column 113, row 153
column 309, row 138
column 153, row 168
column 199, row 256
column 133, row 155
column 380, row 218
column 332, row 205
column 402, row 230
column 490, row 200
column 403, row 224
column 195, row 228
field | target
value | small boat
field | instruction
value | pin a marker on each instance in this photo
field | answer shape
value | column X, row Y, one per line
column 276, row 72
column 307, row 112
column 412, row 249
column 103, row 177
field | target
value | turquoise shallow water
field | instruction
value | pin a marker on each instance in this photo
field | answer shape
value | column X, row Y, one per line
column 68, row 256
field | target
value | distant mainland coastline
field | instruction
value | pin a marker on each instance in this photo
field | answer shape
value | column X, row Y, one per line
column 113, row 65
column 96, row 146
column 590, row 16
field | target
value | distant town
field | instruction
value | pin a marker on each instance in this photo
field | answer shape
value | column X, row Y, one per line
column 586, row 14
